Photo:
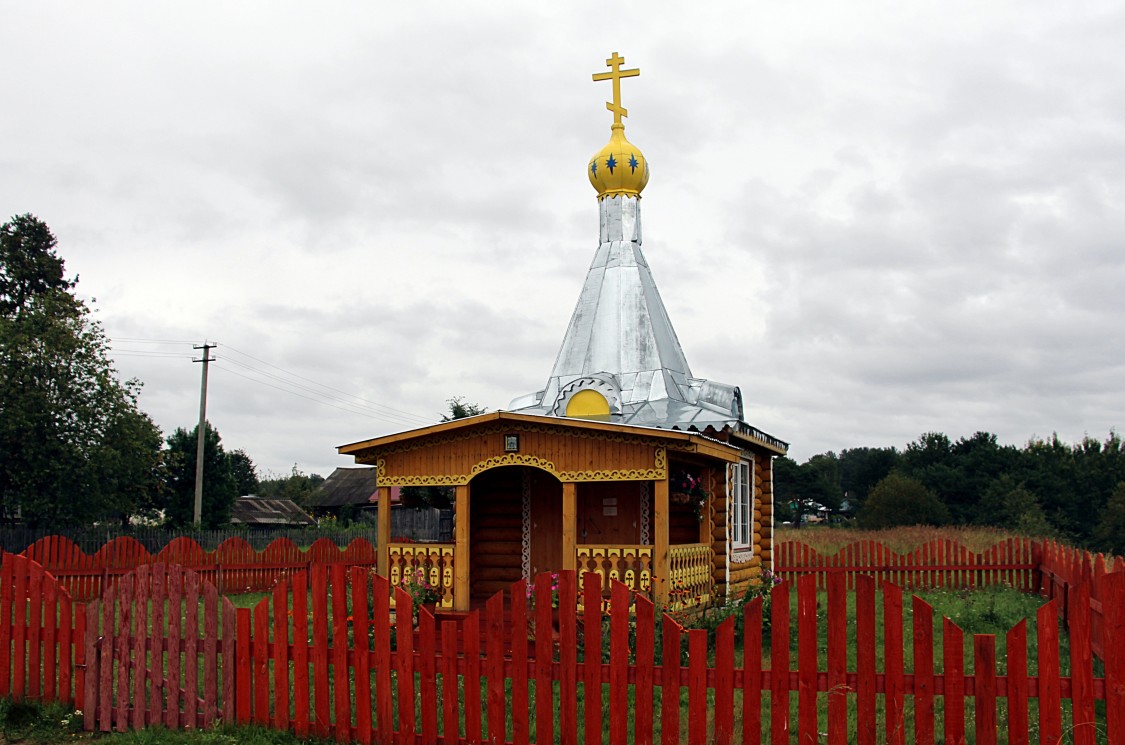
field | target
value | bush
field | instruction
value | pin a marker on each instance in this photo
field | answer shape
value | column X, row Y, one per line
column 900, row 500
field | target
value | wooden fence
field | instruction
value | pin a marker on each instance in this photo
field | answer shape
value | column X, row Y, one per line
column 233, row 567
column 324, row 655
column 1064, row 570
column 42, row 654
column 15, row 539
column 939, row 563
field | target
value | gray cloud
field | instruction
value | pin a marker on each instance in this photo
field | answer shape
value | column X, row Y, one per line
column 877, row 219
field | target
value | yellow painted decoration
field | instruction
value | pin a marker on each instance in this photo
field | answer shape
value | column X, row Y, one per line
column 588, row 404
column 619, row 168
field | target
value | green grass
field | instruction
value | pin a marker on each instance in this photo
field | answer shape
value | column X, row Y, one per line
column 38, row 724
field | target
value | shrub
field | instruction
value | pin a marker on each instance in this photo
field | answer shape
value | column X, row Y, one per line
column 900, row 500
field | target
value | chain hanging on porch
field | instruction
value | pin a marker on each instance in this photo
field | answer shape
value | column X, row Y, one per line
column 525, row 533
column 646, row 511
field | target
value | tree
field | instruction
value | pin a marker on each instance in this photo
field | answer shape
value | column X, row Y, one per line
column 1008, row 504
column 220, row 488
column 1109, row 535
column 244, row 473
column 900, row 500
column 440, row 496
column 297, row 486
column 798, row 488
column 458, row 409
column 862, row 468
column 74, row 446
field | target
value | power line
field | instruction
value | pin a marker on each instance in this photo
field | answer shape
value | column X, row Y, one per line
column 134, row 353
column 345, row 401
column 152, row 341
column 379, row 408
column 368, row 414
column 428, row 420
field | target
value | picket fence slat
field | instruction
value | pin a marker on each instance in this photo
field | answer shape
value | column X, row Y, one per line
column 751, row 672
column 449, row 720
column 592, row 657
column 779, row 664
column 894, row 668
column 953, row 678
column 1016, row 648
column 984, row 676
column 837, row 662
column 923, row 620
column 361, row 643
column 428, row 676
column 865, row 659
column 807, row 724
column 568, row 664
column 670, row 682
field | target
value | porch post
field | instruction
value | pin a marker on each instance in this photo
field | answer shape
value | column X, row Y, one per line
column 383, row 537
column 569, row 525
column 661, row 566
column 461, row 549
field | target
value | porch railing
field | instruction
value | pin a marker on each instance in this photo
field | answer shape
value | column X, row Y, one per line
column 432, row 562
column 630, row 565
column 690, row 575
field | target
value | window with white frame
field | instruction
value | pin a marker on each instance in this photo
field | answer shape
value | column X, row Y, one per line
column 742, row 504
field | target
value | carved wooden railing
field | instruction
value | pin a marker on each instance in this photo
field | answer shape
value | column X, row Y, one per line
column 431, row 561
column 630, row 565
column 690, row 575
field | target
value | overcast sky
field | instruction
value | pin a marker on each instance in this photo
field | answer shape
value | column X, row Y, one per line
column 878, row 219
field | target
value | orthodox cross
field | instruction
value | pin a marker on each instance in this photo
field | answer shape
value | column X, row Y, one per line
column 616, row 73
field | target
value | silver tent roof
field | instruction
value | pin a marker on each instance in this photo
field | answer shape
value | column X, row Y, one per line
column 621, row 343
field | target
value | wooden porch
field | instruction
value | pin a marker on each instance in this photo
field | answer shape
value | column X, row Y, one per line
column 690, row 572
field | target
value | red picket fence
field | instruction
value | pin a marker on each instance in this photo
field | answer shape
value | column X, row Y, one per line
column 939, row 563
column 325, row 655
column 1064, row 570
column 233, row 567
column 42, row 656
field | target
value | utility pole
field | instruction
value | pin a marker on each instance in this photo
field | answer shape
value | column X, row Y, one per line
column 197, row 515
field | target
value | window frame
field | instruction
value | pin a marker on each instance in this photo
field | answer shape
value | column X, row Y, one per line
column 742, row 505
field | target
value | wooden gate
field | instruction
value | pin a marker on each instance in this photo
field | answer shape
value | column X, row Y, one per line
column 147, row 661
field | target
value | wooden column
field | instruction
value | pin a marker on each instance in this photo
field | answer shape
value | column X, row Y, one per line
column 661, row 566
column 569, row 525
column 461, row 549
column 383, row 547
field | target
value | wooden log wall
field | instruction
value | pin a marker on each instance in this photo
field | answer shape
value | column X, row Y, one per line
column 495, row 530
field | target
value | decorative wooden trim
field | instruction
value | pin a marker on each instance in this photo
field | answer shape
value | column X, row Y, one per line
column 646, row 512
column 658, row 471
column 525, row 526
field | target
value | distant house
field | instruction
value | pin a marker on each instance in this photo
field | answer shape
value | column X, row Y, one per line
column 350, row 488
column 260, row 512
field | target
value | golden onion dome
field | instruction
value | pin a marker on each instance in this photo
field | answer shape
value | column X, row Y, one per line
column 619, row 168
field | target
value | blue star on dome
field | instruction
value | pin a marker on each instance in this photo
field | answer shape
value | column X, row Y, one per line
column 611, row 163
column 594, row 167
column 633, row 164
